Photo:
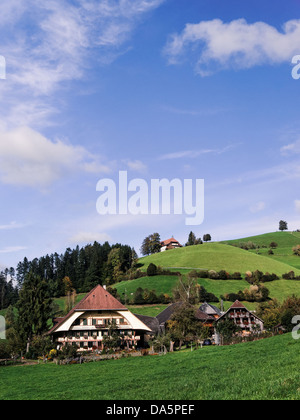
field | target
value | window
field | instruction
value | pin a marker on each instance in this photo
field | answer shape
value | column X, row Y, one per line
column 84, row 321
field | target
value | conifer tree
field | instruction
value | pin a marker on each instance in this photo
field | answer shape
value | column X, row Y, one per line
column 34, row 309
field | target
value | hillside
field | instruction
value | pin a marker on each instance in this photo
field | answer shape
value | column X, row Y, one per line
column 283, row 253
column 259, row 370
column 217, row 256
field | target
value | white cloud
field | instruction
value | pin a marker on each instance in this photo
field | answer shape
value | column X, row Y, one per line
column 236, row 44
column 52, row 43
column 11, row 226
column 30, row 159
column 12, row 249
column 196, row 153
column 291, row 149
column 135, row 165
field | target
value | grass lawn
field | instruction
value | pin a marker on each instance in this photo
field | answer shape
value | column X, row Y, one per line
column 283, row 253
column 266, row 369
column 217, row 256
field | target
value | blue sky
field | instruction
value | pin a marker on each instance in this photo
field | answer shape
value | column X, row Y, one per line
column 197, row 89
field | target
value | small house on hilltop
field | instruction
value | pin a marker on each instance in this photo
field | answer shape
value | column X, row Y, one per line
column 171, row 243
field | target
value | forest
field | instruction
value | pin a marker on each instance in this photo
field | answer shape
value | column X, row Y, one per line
column 85, row 267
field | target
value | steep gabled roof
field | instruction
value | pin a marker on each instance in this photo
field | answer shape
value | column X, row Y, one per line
column 202, row 316
column 98, row 299
column 238, row 304
column 167, row 313
column 169, row 241
column 210, row 309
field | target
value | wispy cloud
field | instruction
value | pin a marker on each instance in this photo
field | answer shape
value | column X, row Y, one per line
column 12, row 225
column 214, row 45
column 55, row 45
column 191, row 154
column 12, row 249
column 135, row 165
column 291, row 149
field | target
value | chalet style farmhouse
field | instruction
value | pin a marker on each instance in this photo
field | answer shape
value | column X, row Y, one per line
column 90, row 320
column 243, row 318
column 171, row 243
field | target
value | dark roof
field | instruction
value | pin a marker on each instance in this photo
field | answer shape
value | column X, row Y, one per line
column 202, row 316
column 150, row 321
column 166, row 315
column 210, row 309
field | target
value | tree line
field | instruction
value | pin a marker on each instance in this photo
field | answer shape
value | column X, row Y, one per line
column 86, row 267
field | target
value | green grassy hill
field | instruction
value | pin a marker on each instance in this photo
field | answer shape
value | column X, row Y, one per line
column 217, row 256
column 283, row 253
column 220, row 256
column 261, row 370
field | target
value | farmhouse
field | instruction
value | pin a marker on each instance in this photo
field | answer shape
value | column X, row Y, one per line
column 243, row 318
column 166, row 315
column 171, row 243
column 93, row 318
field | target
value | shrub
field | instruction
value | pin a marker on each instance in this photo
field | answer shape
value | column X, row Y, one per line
column 212, row 274
column 236, row 276
column 151, row 270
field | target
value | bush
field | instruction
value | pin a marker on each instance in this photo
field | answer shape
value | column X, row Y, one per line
column 212, row 274
column 151, row 270
column 289, row 276
column 236, row 276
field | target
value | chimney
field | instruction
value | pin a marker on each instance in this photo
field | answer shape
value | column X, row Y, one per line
column 104, row 286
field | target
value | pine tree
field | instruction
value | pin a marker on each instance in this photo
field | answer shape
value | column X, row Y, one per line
column 34, row 309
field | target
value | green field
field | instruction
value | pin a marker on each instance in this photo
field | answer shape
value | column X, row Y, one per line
column 220, row 256
column 217, row 256
column 266, row 369
column 283, row 253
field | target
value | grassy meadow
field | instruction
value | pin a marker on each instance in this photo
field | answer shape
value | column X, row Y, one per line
column 218, row 256
column 283, row 253
column 261, row 370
